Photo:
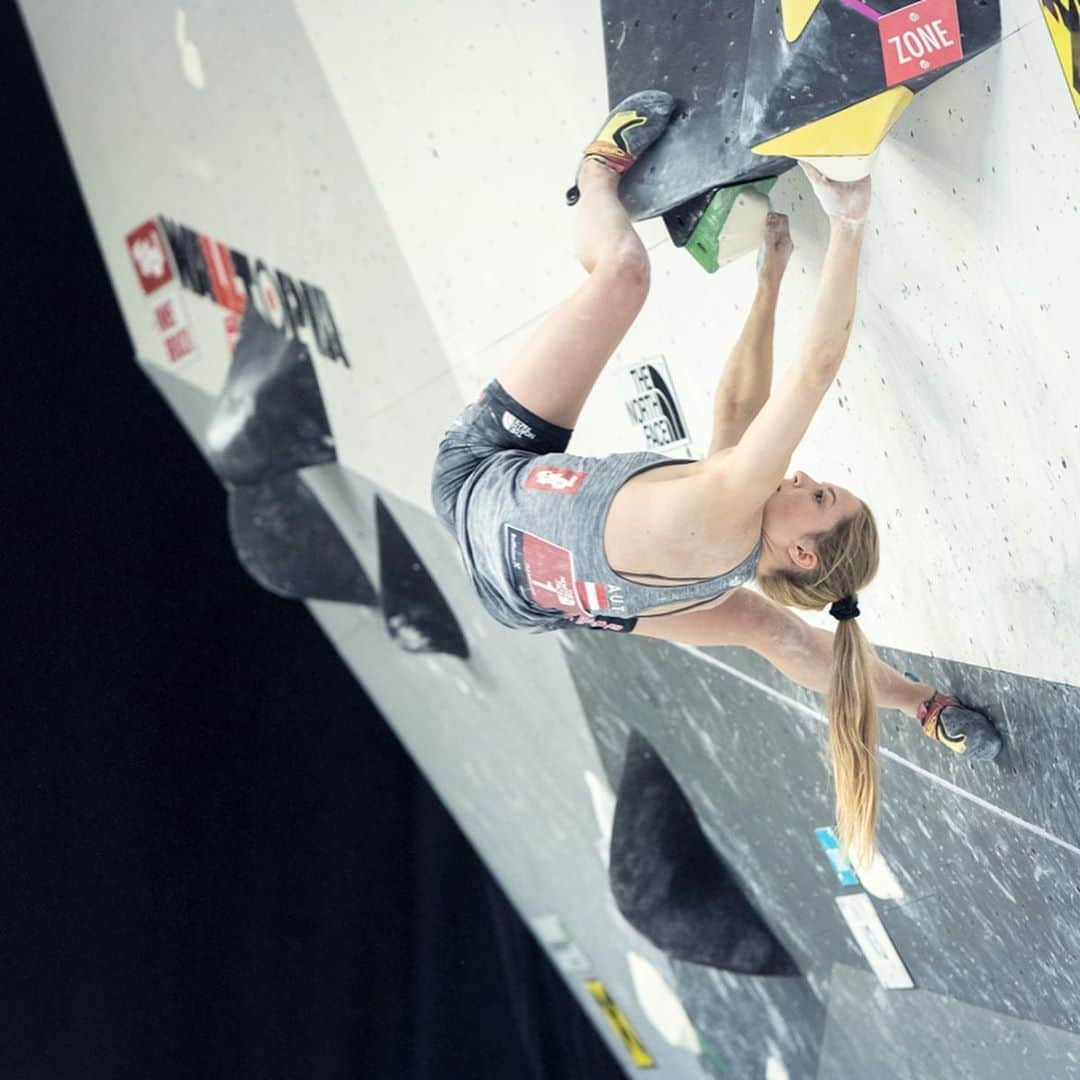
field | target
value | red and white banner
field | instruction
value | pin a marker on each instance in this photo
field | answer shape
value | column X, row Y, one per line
column 153, row 267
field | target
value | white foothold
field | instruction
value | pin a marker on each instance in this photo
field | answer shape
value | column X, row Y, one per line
column 744, row 228
column 878, row 879
column 190, row 60
column 661, row 1005
column 603, row 804
column 844, row 169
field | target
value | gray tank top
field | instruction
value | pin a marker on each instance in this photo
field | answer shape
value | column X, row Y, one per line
column 531, row 526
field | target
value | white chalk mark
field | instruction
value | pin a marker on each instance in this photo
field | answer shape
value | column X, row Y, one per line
column 190, row 60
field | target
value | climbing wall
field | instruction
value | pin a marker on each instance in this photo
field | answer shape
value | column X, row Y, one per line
column 327, row 225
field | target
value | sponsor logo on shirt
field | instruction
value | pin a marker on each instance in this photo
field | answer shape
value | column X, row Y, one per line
column 599, row 624
column 543, row 574
column 547, row 478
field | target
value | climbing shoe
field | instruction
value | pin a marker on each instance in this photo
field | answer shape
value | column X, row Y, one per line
column 959, row 727
column 630, row 129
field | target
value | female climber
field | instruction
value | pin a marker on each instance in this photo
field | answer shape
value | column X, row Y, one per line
column 641, row 543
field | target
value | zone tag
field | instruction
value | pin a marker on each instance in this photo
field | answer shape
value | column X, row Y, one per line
column 920, row 38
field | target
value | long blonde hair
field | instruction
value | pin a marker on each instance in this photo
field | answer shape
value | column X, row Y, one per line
column 847, row 562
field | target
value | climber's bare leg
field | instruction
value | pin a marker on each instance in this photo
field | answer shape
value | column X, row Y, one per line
column 559, row 365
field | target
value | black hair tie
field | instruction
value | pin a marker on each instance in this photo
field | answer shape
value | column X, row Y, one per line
column 847, row 608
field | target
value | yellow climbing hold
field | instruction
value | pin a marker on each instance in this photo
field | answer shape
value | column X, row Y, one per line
column 796, row 14
column 1066, row 45
column 852, row 132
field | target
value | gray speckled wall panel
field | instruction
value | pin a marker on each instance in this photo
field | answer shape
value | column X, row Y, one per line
column 916, row 1035
column 751, row 1020
column 991, row 906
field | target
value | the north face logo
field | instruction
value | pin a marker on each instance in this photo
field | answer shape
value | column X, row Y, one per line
column 517, row 427
column 564, row 481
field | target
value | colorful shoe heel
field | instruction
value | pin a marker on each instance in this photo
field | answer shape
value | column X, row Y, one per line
column 630, row 129
column 960, row 728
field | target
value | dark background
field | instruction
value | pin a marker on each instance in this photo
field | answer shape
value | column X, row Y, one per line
column 217, row 858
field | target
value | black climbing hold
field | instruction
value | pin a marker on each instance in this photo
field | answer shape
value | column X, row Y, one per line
column 682, row 220
column 269, row 418
column 739, row 83
column 701, row 60
column 672, row 886
column 288, row 543
column 417, row 616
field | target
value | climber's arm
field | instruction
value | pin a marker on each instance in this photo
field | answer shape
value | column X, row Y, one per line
column 801, row 652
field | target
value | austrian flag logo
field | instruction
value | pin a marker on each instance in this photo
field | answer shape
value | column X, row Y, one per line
column 592, row 595
column 547, row 478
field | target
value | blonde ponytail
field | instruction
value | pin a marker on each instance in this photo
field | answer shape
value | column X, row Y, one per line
column 848, row 561
column 851, row 702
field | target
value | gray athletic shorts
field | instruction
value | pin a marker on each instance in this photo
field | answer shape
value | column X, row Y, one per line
column 482, row 431
column 475, row 435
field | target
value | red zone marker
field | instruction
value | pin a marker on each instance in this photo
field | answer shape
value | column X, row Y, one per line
column 916, row 39
column 920, row 38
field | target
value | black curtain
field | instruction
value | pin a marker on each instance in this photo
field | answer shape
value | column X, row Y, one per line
column 217, row 858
